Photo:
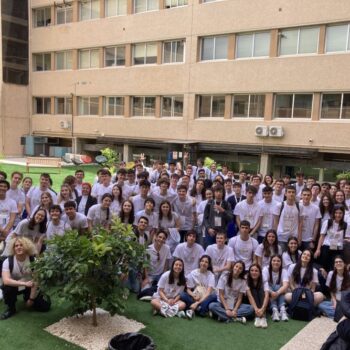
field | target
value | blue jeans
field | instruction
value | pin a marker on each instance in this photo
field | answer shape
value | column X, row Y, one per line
column 203, row 307
column 279, row 301
column 245, row 310
column 327, row 307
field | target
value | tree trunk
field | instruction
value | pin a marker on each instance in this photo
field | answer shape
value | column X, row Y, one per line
column 94, row 316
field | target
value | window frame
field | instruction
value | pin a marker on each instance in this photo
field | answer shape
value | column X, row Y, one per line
column 347, row 39
column 143, row 106
column 35, row 15
column 116, row 47
column 172, row 108
column 65, row 52
column 145, row 53
column 340, row 116
column 42, row 54
column 105, row 106
column 253, row 34
column 214, row 48
column 211, row 106
column 90, row 17
column 117, row 7
column 233, row 116
column 88, row 50
column 63, row 8
column 66, row 105
column 177, row 1
column 43, row 100
column 293, row 106
column 81, row 98
column 298, row 42
column 171, row 54
column 147, row 7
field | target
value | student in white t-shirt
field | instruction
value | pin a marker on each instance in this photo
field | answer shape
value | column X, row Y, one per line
column 292, row 254
column 267, row 249
column 243, row 246
column 16, row 194
column 302, row 274
column 8, row 211
column 200, row 287
column 277, row 279
column 77, row 221
column 100, row 214
column 230, row 290
column 170, row 285
column 56, row 226
column 117, row 194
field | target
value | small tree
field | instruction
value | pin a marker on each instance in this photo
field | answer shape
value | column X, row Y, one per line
column 89, row 270
column 345, row 175
column 112, row 158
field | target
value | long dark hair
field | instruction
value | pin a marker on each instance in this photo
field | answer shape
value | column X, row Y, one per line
column 120, row 196
column 289, row 251
column 250, row 282
column 210, row 266
column 330, row 207
column 182, row 279
column 131, row 215
column 345, row 285
column 308, row 276
column 107, row 195
column 193, row 192
column 343, row 203
column 241, row 275
column 342, row 223
column 279, row 271
column 266, row 245
column 42, row 225
column 170, row 214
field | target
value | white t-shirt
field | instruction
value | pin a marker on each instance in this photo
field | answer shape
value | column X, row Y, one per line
column 18, row 196
column 139, row 203
column 249, row 212
column 98, row 215
column 333, row 238
column 231, row 293
column 34, row 195
column 22, row 230
column 189, row 255
column 115, row 207
column 79, row 222
column 152, row 219
column 99, row 190
column 287, row 261
column 309, row 214
column 185, row 211
column 338, row 282
column 267, row 210
column 7, row 207
column 21, row 269
column 243, row 250
column 157, row 265
column 288, row 221
column 82, row 204
column 219, row 257
column 197, row 278
column 171, row 291
column 158, row 198
column 166, row 223
column 278, row 197
column 58, row 230
column 302, row 273
column 266, row 277
column 266, row 259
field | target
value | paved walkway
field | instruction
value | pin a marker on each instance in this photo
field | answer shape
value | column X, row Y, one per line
column 312, row 336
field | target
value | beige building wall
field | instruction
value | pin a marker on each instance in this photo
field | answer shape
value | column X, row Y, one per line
column 299, row 73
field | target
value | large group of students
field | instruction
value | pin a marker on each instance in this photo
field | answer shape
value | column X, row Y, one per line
column 230, row 246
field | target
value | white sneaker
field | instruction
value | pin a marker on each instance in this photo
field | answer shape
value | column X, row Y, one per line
column 284, row 316
column 1, row 296
column 275, row 315
column 242, row 320
column 263, row 322
column 257, row 322
column 189, row 314
column 181, row 314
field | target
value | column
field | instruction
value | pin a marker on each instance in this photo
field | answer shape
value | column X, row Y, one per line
column 228, row 104
column 157, row 109
column 274, row 43
column 321, row 175
column 316, row 107
column 231, row 47
column 322, row 40
column 127, row 106
column 127, row 156
column 264, row 163
column 128, row 55
column 75, row 10
column 268, row 112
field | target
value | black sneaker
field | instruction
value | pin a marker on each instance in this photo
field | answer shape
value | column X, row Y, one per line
column 7, row 314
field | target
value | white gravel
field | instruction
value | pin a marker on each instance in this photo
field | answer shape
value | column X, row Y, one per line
column 312, row 336
column 80, row 331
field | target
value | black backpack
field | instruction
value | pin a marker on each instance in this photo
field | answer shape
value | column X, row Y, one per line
column 302, row 305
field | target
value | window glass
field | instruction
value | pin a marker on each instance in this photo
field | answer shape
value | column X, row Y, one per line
column 207, row 49
column 308, row 40
column 288, row 42
column 151, row 53
column 221, row 47
column 257, row 106
column 261, row 44
column 95, row 59
column 244, row 45
column 283, row 106
column 346, row 106
column 178, row 106
column 140, row 6
column 111, row 7
column 152, row 5
column 336, row 38
column 204, row 106
column 331, row 104
column 218, row 106
column 150, row 106
column 166, row 106
column 94, row 105
column 302, row 106
column 240, row 105
column 84, row 59
column 110, row 56
column 60, row 58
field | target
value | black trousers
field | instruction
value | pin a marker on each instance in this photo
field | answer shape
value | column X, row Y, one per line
column 10, row 295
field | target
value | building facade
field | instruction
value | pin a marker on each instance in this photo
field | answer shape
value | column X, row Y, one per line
column 262, row 85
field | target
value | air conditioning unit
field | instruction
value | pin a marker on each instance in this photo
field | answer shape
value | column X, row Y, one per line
column 261, row 131
column 276, row 131
column 64, row 124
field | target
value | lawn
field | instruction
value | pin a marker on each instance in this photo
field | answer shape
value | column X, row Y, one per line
column 57, row 178
column 26, row 328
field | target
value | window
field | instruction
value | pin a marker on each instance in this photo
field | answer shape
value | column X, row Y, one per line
column 42, row 17
column 211, row 106
column 114, row 105
column 64, row 60
column 145, row 5
column 143, row 106
column 173, row 51
column 214, row 48
column 41, row 62
column 172, row 106
column 114, row 56
column 337, row 38
column 89, row 58
column 88, row 105
column 64, row 13
column 63, row 105
column 299, row 41
column 89, row 9
column 42, row 105
column 335, row 106
column 248, row 106
column 293, row 106
column 175, row 3
column 253, row 45
column 115, row 7
column 145, row 53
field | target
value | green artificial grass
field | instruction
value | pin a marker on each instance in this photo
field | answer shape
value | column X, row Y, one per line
column 25, row 330
column 57, row 178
